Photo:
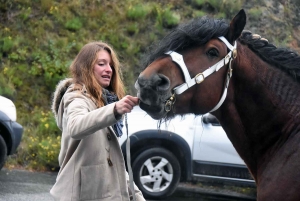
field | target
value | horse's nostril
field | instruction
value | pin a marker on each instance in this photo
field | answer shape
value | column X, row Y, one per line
column 163, row 83
column 158, row 82
column 141, row 82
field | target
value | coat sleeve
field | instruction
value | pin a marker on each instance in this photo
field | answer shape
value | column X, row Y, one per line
column 138, row 194
column 82, row 119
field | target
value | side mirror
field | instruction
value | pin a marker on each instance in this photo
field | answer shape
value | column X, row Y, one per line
column 210, row 119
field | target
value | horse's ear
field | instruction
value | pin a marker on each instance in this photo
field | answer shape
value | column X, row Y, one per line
column 236, row 27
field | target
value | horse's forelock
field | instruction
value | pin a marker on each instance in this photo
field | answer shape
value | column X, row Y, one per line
column 195, row 33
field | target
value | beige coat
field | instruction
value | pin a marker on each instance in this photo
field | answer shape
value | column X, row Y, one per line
column 88, row 143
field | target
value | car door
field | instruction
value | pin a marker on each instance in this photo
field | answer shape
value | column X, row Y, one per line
column 213, row 154
column 211, row 144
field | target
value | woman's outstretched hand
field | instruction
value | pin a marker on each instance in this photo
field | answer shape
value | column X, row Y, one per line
column 126, row 104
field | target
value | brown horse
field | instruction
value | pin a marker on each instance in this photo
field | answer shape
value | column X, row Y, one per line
column 251, row 86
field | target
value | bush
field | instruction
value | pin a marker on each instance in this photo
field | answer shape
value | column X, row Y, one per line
column 40, row 144
column 6, row 44
column 74, row 24
column 137, row 12
column 170, row 19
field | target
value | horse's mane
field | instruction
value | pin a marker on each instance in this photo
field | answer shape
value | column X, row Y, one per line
column 282, row 58
column 195, row 33
column 200, row 30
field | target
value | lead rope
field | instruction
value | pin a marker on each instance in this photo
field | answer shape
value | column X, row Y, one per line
column 129, row 161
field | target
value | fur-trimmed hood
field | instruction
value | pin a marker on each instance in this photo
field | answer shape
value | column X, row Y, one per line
column 60, row 90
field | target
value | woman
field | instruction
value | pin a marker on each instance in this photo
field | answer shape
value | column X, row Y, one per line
column 88, row 109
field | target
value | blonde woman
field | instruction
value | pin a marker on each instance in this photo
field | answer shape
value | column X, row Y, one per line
column 88, row 109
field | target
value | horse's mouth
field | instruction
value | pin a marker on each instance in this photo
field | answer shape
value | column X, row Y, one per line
column 155, row 111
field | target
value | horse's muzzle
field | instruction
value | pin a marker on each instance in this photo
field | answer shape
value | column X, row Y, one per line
column 157, row 82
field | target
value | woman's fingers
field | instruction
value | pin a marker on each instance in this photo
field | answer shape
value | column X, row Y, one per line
column 134, row 100
column 126, row 104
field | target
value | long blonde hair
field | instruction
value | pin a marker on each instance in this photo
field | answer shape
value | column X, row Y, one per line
column 82, row 71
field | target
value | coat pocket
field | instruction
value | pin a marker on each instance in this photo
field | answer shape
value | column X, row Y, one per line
column 95, row 182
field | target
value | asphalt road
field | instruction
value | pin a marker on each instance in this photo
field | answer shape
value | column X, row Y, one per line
column 21, row 185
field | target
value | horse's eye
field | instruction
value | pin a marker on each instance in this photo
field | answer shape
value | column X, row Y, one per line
column 212, row 53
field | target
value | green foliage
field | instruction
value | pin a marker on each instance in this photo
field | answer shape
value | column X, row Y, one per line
column 231, row 7
column 137, row 12
column 258, row 3
column 157, row 12
column 73, row 24
column 220, row 15
column 216, row 4
column 208, row 4
column 25, row 13
column 6, row 44
column 254, row 13
column 221, row 8
column 7, row 88
column 132, row 28
column 41, row 141
column 199, row 3
column 199, row 13
column 170, row 19
column 165, row 17
column 283, row 41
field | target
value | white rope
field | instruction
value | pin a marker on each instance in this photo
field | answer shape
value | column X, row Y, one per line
column 129, row 161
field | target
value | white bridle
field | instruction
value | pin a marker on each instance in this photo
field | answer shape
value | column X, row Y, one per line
column 189, row 82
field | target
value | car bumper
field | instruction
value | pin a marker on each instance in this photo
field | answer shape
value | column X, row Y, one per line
column 14, row 135
column 17, row 130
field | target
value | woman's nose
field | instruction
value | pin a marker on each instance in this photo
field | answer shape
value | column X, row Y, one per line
column 108, row 68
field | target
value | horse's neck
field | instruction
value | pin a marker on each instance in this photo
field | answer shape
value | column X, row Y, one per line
column 264, row 105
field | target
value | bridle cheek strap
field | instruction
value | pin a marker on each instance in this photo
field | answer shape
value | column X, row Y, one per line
column 200, row 77
column 229, row 74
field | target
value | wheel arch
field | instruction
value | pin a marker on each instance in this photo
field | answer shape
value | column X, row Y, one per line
column 6, row 131
column 176, row 144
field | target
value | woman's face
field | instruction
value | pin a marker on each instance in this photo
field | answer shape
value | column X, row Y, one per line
column 102, row 69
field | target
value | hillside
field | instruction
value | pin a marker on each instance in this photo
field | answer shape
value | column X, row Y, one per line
column 39, row 39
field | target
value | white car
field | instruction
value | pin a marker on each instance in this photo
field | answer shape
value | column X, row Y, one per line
column 10, row 131
column 189, row 148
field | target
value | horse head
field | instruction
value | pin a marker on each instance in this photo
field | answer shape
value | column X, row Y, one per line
column 184, row 68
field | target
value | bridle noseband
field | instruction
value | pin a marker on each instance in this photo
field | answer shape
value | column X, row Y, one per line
column 200, row 77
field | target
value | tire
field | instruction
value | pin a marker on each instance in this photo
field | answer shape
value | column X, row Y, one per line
column 3, row 152
column 156, row 166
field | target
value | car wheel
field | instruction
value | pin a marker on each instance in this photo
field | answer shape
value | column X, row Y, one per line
column 3, row 152
column 156, row 172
